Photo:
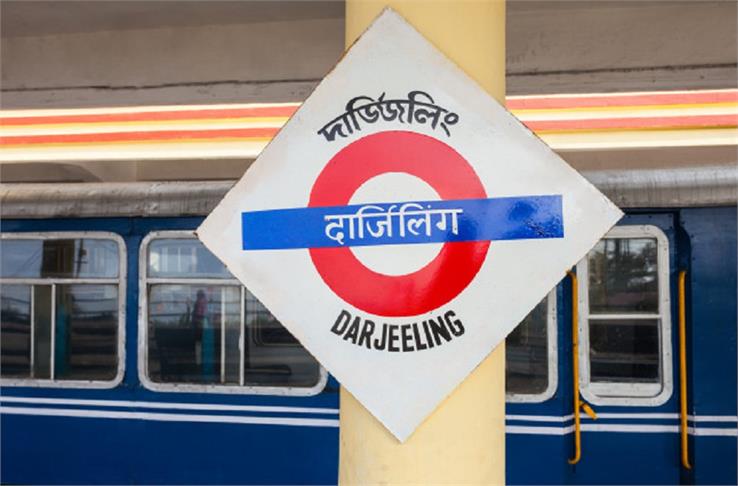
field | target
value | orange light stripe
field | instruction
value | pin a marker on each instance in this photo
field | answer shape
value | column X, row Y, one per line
column 250, row 122
column 145, row 143
column 708, row 121
column 626, row 123
column 562, row 102
column 634, row 123
column 205, row 114
column 524, row 103
column 138, row 136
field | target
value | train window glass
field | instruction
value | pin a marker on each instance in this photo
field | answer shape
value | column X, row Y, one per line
column 86, row 328
column 624, row 350
column 61, row 313
column 623, row 276
column 183, row 258
column 15, row 315
column 625, row 326
column 194, row 333
column 206, row 332
column 530, row 355
column 59, row 258
column 270, row 346
column 42, row 316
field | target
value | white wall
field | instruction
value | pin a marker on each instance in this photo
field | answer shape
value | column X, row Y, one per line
column 274, row 61
column 257, row 52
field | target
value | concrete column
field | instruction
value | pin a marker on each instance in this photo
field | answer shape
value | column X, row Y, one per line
column 463, row 441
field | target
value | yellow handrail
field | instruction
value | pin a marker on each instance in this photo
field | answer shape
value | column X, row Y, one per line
column 579, row 404
column 575, row 365
column 683, row 369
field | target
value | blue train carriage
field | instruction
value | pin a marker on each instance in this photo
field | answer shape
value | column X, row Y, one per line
column 131, row 355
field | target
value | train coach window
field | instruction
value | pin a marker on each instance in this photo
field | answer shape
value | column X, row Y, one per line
column 530, row 355
column 205, row 332
column 625, row 322
column 61, row 309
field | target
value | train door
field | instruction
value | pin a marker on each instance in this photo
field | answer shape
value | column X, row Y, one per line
column 710, row 282
column 627, row 309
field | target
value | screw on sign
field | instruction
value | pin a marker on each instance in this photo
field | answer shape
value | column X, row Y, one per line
column 401, row 236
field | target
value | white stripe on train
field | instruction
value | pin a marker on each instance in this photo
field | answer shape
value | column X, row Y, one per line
column 168, row 417
column 172, row 406
column 621, row 428
column 325, row 422
column 625, row 416
column 334, row 411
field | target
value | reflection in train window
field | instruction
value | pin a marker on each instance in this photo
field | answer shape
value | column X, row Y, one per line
column 183, row 258
column 530, row 354
column 204, row 328
column 60, row 309
column 194, row 333
column 59, row 258
column 626, row 316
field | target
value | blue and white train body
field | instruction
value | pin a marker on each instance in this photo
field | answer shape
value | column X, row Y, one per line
column 130, row 357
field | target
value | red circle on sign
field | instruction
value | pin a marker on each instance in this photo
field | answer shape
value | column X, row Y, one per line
column 448, row 273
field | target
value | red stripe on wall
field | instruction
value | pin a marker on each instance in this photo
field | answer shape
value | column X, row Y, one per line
column 705, row 121
column 632, row 123
column 205, row 114
column 164, row 135
column 531, row 103
column 563, row 102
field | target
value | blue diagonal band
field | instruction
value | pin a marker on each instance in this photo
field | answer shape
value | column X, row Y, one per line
column 504, row 218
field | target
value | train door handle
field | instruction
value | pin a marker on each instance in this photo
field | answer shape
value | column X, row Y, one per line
column 683, row 370
column 579, row 404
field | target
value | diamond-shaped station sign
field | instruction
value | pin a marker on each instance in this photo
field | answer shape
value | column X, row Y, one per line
column 402, row 223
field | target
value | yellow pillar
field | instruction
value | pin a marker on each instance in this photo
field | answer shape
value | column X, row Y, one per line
column 463, row 441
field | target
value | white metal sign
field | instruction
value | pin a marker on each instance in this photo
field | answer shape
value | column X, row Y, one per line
column 402, row 223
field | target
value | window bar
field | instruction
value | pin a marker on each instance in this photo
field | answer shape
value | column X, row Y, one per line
column 52, row 366
column 621, row 316
column 33, row 332
column 242, row 338
column 222, row 333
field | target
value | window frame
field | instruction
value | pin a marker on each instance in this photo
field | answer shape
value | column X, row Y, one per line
column 143, row 328
column 120, row 281
column 553, row 356
column 622, row 393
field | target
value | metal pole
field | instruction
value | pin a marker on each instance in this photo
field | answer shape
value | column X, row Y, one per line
column 683, row 370
column 222, row 334
column 33, row 332
column 463, row 441
column 52, row 373
column 575, row 367
column 242, row 338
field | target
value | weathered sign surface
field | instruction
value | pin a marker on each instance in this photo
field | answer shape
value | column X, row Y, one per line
column 402, row 223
